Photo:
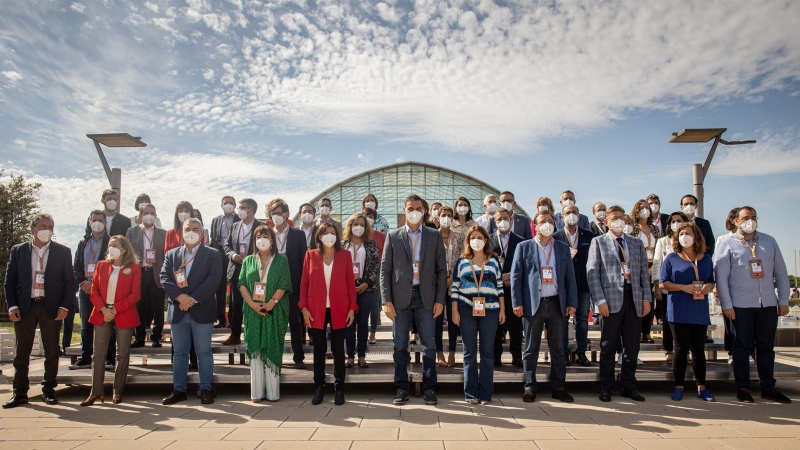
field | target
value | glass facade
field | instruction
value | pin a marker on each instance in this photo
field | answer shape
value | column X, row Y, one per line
column 391, row 184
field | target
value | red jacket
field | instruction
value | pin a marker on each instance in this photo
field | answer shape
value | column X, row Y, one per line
column 313, row 293
column 129, row 290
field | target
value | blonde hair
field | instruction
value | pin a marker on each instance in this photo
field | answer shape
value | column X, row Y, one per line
column 367, row 236
column 129, row 255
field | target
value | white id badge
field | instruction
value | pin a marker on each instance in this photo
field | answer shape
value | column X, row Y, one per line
column 547, row 275
column 416, row 270
column 259, row 291
column 180, row 278
column 626, row 270
column 357, row 270
column 756, row 268
column 699, row 286
column 479, row 307
column 150, row 256
column 39, row 280
column 242, row 249
column 650, row 254
column 90, row 269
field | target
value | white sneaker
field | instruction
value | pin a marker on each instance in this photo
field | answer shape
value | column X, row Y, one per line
column 619, row 359
column 639, row 362
column 730, row 359
column 752, row 361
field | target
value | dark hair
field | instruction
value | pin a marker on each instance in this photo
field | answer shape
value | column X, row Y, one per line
column 653, row 197
column 487, row 249
column 250, row 203
column 692, row 196
column 148, row 205
column 370, row 212
column 181, row 205
column 614, row 208
column 746, row 207
column 325, row 199
column 196, row 214
column 109, row 192
column 277, row 203
column 501, row 210
column 368, row 196
column 322, row 231
column 668, row 225
column 568, row 192
column 411, row 198
column 733, row 214
column 455, row 206
column 699, row 243
column 635, row 212
column 426, row 218
column 141, row 198
column 313, row 210
column 543, row 213
column 228, row 196
column 594, row 207
column 508, row 193
column 265, row 229
column 96, row 212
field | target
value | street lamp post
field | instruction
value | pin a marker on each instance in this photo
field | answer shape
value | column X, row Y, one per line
column 699, row 171
column 114, row 140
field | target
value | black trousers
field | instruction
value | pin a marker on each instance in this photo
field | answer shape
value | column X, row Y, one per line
column 647, row 321
column 689, row 336
column 321, row 348
column 25, row 332
column 235, row 313
column 222, row 292
column 514, row 327
column 296, row 328
column 626, row 325
column 150, row 307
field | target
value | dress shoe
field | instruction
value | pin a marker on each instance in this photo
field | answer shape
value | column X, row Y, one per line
column 744, row 396
column 205, row 397
column 632, row 394
column 193, row 366
column 709, row 340
column 582, row 360
column 339, row 399
column 300, row 365
column 49, row 397
column 319, row 395
column 156, row 343
column 563, row 396
column 116, row 399
column 110, row 365
column 430, row 398
column 605, row 395
column 92, row 398
column 498, row 363
column 137, row 344
column 775, row 396
column 15, row 401
column 401, row 398
column 175, row 397
column 232, row 340
column 529, row 396
column 568, row 359
column 517, row 362
column 81, row 364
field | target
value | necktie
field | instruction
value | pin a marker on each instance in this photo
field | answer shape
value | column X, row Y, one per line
column 619, row 249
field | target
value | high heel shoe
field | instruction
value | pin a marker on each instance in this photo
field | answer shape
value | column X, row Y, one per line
column 440, row 359
column 116, row 400
column 90, row 401
column 451, row 359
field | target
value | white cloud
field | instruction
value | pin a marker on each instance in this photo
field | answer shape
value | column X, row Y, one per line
column 151, row 6
column 12, row 77
column 20, row 143
column 208, row 74
column 387, row 13
column 773, row 153
column 77, row 7
column 365, row 157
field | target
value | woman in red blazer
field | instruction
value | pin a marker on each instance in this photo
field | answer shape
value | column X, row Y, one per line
column 328, row 296
column 116, row 287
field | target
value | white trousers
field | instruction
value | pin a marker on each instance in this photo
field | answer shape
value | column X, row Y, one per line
column 263, row 382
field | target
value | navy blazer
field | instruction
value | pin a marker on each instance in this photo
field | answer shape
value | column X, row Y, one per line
column 216, row 233
column 582, row 258
column 708, row 235
column 526, row 278
column 598, row 231
column 521, row 227
column 119, row 226
column 513, row 240
column 203, row 281
column 296, row 253
column 59, row 280
column 583, row 221
column 231, row 247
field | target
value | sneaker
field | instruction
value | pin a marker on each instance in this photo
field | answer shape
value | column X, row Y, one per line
column 678, row 395
column 110, row 365
column 775, row 396
column 430, row 398
column 473, row 401
column 401, row 398
column 743, row 395
column 706, row 395
column 485, row 402
column 730, row 359
column 81, row 364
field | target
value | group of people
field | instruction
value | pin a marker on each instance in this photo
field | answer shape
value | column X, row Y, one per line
column 490, row 275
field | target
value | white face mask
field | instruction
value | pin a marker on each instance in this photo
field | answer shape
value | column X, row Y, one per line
column 445, row 221
column 227, row 208
column 571, row 219
column 689, row 210
column 544, row 208
column 263, row 244
column 371, row 221
column 508, row 206
column 618, row 226
column 748, row 226
column 675, row 225
column 546, row 229
column 435, row 214
column 414, row 217
column 491, row 208
column 503, row 226
column 644, row 213
column 191, row 238
column 600, row 215
column 183, row 216
column 462, row 210
column 242, row 213
column 148, row 219
column 476, row 244
column 328, row 240
column 357, row 231
column 568, row 202
column 655, row 207
column 111, row 205
column 44, row 235
column 685, row 240
column 307, row 217
column 277, row 219
column 370, row 205
column 98, row 226
column 324, row 210
column 627, row 229
column 114, row 253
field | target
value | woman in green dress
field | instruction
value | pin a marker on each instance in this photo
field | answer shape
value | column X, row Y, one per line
column 265, row 284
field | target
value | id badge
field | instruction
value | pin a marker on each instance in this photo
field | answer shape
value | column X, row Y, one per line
column 650, row 254
column 626, row 270
column 479, row 307
column 416, row 270
column 756, row 268
column 547, row 275
column 242, row 249
column 259, row 291
column 180, row 278
column 90, row 269
column 357, row 270
column 150, row 256
column 39, row 280
column 699, row 286
column 573, row 252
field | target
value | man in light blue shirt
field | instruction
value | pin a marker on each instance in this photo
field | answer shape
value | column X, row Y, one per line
column 747, row 266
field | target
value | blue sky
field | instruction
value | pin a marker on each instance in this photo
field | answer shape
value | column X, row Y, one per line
column 285, row 98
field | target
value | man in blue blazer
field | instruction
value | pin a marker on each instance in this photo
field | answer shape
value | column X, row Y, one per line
column 543, row 293
column 568, row 199
column 40, row 287
column 190, row 277
column 520, row 224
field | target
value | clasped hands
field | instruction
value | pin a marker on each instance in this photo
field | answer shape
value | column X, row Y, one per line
column 185, row 302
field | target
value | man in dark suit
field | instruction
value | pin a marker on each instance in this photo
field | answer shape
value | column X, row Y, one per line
column 413, row 288
column 220, row 230
column 91, row 249
column 116, row 223
column 190, row 277
column 307, row 225
column 240, row 243
column 292, row 243
column 148, row 243
column 504, row 244
column 543, row 293
column 568, row 199
column 598, row 226
column 520, row 224
column 689, row 207
column 659, row 219
column 39, row 288
column 579, row 239
column 620, row 286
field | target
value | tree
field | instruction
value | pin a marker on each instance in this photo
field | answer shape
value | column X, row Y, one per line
column 18, row 203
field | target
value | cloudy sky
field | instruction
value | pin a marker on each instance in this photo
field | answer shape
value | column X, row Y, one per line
column 261, row 99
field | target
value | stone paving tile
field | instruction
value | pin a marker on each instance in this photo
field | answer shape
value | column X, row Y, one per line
column 696, row 431
column 471, row 421
column 138, row 445
column 229, row 445
column 404, row 445
column 351, row 410
column 605, row 444
column 766, row 431
column 556, row 421
column 759, row 443
column 610, row 432
column 632, row 420
column 57, row 422
column 306, row 445
column 321, row 422
column 39, row 445
column 357, row 434
column 526, row 434
column 491, row 445
column 274, row 434
column 675, row 444
column 416, row 421
column 187, row 434
column 442, row 434
column 152, row 423
column 90, row 434
column 239, row 422
column 293, row 412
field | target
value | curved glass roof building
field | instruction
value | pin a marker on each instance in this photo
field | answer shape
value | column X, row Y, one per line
column 391, row 184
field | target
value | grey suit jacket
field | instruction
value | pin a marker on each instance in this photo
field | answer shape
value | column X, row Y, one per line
column 604, row 272
column 397, row 276
column 134, row 234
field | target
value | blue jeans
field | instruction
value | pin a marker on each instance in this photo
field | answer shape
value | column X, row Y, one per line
column 550, row 317
column 581, row 323
column 375, row 313
column 87, row 332
column 184, row 333
column 401, row 329
column 478, row 387
column 759, row 324
column 69, row 325
column 452, row 331
column 359, row 326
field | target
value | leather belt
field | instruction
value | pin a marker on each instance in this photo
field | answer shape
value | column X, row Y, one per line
column 147, row 269
column 415, row 288
column 547, row 299
column 37, row 299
